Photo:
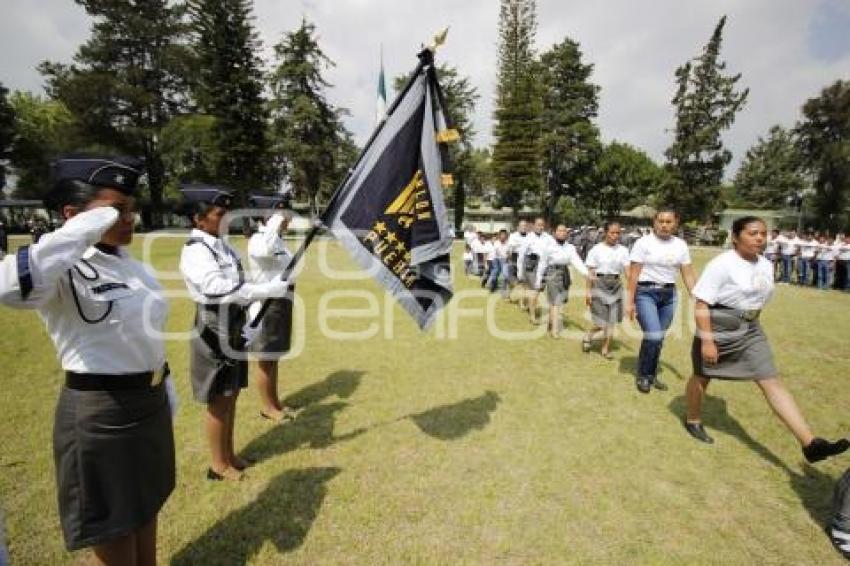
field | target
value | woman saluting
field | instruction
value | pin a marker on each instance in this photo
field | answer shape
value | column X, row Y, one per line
column 113, row 443
column 730, row 343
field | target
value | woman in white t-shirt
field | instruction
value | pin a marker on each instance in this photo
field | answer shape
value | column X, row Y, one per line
column 655, row 260
column 730, row 343
column 606, row 262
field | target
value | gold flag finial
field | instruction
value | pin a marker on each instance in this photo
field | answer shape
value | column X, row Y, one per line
column 439, row 39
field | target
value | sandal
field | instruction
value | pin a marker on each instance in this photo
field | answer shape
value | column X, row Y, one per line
column 585, row 345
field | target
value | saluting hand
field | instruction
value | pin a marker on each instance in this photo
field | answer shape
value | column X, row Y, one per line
column 709, row 352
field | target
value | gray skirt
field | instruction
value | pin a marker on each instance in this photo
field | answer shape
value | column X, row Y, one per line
column 743, row 350
column 213, row 368
column 275, row 336
column 606, row 304
column 557, row 283
column 114, row 457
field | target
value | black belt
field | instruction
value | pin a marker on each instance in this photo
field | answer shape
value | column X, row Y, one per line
column 748, row 315
column 115, row 382
column 608, row 275
column 654, row 285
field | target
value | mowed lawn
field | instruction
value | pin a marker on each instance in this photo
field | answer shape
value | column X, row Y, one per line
column 460, row 446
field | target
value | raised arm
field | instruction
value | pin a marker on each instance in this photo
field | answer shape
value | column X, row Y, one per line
column 29, row 278
column 201, row 269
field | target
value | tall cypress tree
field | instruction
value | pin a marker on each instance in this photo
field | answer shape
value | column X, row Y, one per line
column 230, row 88
column 516, row 152
column 706, row 102
column 307, row 130
column 128, row 80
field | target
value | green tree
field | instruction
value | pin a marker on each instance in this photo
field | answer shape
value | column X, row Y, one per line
column 129, row 79
column 623, row 178
column 706, row 102
column 824, row 137
column 570, row 139
column 306, row 128
column 516, row 151
column 7, row 132
column 44, row 128
column 190, row 151
column 460, row 99
column 771, row 171
column 230, row 89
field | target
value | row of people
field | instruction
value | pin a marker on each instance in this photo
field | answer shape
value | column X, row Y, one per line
column 816, row 259
column 113, row 441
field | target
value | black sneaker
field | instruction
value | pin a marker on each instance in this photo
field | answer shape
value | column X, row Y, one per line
column 840, row 540
column 820, row 449
column 659, row 385
column 698, row 431
column 643, row 384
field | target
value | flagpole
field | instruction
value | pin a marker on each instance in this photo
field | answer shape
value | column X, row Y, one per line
column 426, row 57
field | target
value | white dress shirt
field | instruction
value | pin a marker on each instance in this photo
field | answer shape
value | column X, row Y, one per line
column 735, row 282
column 103, row 312
column 660, row 258
column 608, row 260
column 808, row 248
column 500, row 250
column 558, row 255
column 515, row 242
column 532, row 244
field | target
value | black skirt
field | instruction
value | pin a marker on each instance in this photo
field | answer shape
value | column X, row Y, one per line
column 214, row 349
column 275, row 336
column 114, row 456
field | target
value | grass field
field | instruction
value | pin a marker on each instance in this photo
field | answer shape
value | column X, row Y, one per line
column 457, row 446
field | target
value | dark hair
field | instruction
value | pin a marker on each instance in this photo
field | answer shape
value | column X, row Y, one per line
column 666, row 210
column 739, row 224
column 503, row 231
column 192, row 209
column 610, row 223
column 70, row 192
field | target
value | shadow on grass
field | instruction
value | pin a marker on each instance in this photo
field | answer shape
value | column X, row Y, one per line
column 629, row 364
column 314, row 424
column 813, row 487
column 282, row 513
column 451, row 422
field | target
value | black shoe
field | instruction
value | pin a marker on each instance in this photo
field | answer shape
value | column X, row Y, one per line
column 659, row 385
column 820, row 449
column 643, row 384
column 840, row 540
column 698, row 431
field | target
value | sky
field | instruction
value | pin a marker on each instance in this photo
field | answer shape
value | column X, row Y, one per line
column 785, row 50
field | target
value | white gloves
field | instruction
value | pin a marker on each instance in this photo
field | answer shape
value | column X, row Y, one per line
column 249, row 333
column 274, row 289
column 171, row 392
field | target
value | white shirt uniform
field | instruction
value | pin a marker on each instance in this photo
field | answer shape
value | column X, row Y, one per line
column 515, row 242
column 500, row 250
column 478, row 247
column 608, row 260
column 103, row 312
column 211, row 270
column 558, row 255
column 533, row 244
column 788, row 246
column 808, row 248
column 772, row 246
column 470, row 238
column 488, row 250
column 268, row 255
column 731, row 281
column 660, row 258
column 826, row 252
column 844, row 252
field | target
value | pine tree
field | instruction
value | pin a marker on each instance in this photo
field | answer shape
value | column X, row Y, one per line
column 128, row 80
column 771, row 171
column 516, row 152
column 7, row 132
column 571, row 143
column 706, row 103
column 230, row 88
column 307, row 130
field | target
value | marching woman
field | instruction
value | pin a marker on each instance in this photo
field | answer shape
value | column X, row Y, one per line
column 606, row 263
column 528, row 263
column 655, row 259
column 113, row 444
column 216, row 282
column 730, row 343
column 267, row 258
column 556, row 255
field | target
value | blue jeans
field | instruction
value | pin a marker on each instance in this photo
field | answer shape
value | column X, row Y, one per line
column 498, row 267
column 824, row 274
column 803, row 270
column 655, row 310
column 787, row 266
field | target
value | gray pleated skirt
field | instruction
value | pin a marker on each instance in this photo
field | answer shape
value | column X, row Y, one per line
column 606, row 303
column 743, row 350
column 557, row 284
column 114, row 457
column 275, row 336
column 214, row 368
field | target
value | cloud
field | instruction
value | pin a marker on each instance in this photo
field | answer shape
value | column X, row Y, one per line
column 786, row 51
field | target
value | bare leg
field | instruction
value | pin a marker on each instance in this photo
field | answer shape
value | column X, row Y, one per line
column 146, row 544
column 217, row 426
column 116, row 552
column 782, row 403
column 695, row 392
column 231, row 421
column 532, row 306
column 608, row 332
column 267, row 387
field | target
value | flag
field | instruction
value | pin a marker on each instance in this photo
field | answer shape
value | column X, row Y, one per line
column 381, row 103
column 390, row 213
